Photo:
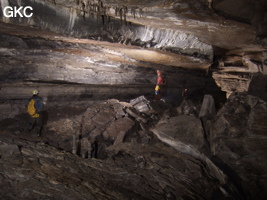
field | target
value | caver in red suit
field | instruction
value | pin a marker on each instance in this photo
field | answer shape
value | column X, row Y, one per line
column 158, row 88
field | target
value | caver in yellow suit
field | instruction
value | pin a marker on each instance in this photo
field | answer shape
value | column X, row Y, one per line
column 34, row 108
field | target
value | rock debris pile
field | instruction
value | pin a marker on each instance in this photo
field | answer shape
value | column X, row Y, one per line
column 139, row 150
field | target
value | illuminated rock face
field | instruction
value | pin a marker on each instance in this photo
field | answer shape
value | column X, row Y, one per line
column 80, row 68
column 68, row 18
column 161, row 25
column 166, row 25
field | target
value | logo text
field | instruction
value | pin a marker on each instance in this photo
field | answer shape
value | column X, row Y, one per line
column 18, row 11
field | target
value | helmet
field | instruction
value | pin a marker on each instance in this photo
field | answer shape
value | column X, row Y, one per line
column 34, row 92
column 158, row 71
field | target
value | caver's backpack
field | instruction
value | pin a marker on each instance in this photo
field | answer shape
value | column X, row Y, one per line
column 164, row 82
column 31, row 109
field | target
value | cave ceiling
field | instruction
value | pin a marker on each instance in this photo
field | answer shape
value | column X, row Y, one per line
column 163, row 24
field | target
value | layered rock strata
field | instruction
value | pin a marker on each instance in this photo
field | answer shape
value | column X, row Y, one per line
column 80, row 68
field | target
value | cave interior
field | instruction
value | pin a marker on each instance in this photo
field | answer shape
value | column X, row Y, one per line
column 104, row 134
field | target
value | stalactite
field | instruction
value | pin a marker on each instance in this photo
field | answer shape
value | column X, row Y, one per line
column 100, row 3
column 91, row 8
column 5, row 3
column 117, row 11
column 108, row 13
column 103, row 19
column 125, row 11
column 133, row 11
column 83, row 6
column 89, row 150
column 74, row 143
column 94, row 8
column 85, row 147
column 94, row 150
column 103, row 13
column 121, row 13
column 81, row 9
column 141, row 12
column 98, row 9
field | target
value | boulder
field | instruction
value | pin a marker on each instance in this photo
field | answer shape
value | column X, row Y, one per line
column 208, row 107
column 7, row 150
column 183, row 128
column 137, row 115
column 258, row 85
column 104, row 117
column 186, row 108
column 185, row 134
column 142, row 104
column 118, row 128
column 9, row 110
column 119, row 107
column 238, row 139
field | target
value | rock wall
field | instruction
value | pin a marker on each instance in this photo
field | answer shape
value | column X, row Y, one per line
column 235, row 71
column 65, row 68
column 248, row 11
column 155, row 26
column 238, row 143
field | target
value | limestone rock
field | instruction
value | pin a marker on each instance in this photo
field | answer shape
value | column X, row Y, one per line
column 141, row 104
column 231, row 82
column 186, row 108
column 118, row 127
column 118, row 108
column 104, row 117
column 253, row 67
column 183, row 128
column 208, row 107
column 172, row 162
column 138, row 116
column 41, row 171
column 238, row 137
column 10, row 110
column 8, row 150
column 258, row 85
